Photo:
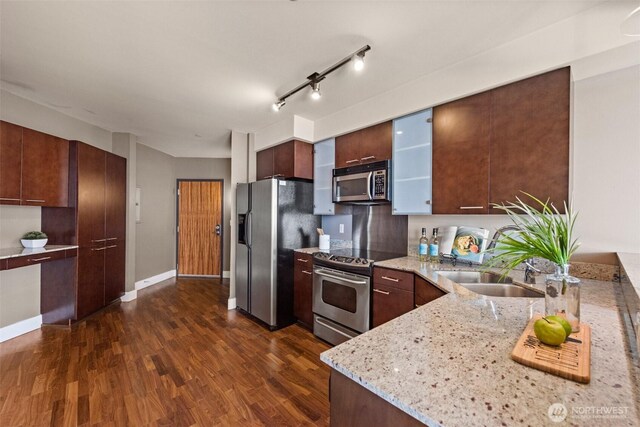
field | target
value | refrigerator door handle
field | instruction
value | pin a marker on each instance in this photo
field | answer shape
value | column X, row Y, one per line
column 247, row 230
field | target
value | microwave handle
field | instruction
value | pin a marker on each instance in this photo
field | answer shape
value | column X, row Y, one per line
column 370, row 186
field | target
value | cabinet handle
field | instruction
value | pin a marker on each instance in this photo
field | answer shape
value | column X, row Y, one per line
column 267, row 177
column 307, row 272
column 99, row 249
column 419, row 305
column 380, row 292
column 352, row 161
column 368, row 158
column 99, row 240
column 471, row 207
column 10, row 199
column 111, row 246
column 111, row 238
column 302, row 260
column 391, row 279
column 277, row 175
column 39, row 259
column 35, row 200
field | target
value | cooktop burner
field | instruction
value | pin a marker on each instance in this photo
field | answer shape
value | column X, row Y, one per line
column 360, row 260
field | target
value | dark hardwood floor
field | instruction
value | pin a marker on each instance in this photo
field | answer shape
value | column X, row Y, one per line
column 173, row 357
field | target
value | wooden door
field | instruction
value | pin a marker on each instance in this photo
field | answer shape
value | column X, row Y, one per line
column 45, row 169
column 461, row 131
column 389, row 303
column 199, row 228
column 530, row 139
column 264, row 163
column 115, row 226
column 91, row 228
column 283, row 160
column 348, row 149
column 376, row 143
column 10, row 163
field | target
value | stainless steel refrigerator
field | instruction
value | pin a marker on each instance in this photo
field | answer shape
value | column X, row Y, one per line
column 275, row 217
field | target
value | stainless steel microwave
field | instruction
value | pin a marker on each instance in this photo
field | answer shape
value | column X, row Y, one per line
column 363, row 184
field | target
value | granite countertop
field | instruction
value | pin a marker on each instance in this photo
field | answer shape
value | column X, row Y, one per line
column 17, row 252
column 448, row 362
column 308, row 250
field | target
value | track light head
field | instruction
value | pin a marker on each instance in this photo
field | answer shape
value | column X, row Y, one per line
column 315, row 91
column 358, row 61
column 278, row 105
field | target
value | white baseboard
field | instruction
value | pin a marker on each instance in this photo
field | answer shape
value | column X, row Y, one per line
column 145, row 283
column 226, row 274
column 231, row 304
column 21, row 327
column 129, row 296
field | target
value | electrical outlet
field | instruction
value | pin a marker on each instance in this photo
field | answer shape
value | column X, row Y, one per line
column 341, row 228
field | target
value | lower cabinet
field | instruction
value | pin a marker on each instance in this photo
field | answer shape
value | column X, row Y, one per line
column 353, row 405
column 303, row 289
column 392, row 295
column 426, row 292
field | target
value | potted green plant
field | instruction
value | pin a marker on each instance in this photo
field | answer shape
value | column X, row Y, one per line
column 542, row 232
column 34, row 239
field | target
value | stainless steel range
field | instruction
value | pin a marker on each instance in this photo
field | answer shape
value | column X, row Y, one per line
column 342, row 292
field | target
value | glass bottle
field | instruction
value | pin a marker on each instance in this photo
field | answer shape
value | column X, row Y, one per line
column 434, row 247
column 423, row 246
column 562, row 296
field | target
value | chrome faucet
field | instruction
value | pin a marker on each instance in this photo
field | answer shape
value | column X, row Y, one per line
column 530, row 272
column 500, row 232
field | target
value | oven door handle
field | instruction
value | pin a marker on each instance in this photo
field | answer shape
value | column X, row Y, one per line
column 337, row 331
column 321, row 272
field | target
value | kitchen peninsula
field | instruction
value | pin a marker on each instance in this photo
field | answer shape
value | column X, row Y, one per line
column 447, row 363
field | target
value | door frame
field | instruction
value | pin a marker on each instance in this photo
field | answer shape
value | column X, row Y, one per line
column 221, row 181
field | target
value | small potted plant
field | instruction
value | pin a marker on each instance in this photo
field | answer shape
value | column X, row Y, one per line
column 34, row 239
column 543, row 232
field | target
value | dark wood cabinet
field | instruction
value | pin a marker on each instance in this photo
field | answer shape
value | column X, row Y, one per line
column 490, row 147
column 303, row 289
column 115, row 226
column 293, row 159
column 10, row 163
column 354, row 406
column 45, row 169
column 530, row 139
column 392, row 294
column 264, row 164
column 461, row 137
column 367, row 145
column 96, row 222
column 425, row 292
column 34, row 167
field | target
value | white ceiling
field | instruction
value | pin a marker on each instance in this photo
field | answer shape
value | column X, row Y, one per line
column 168, row 71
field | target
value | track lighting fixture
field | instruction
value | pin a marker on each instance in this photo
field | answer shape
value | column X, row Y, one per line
column 278, row 105
column 358, row 61
column 314, row 79
column 315, row 91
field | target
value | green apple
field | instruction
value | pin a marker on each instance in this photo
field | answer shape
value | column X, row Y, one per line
column 549, row 332
column 564, row 322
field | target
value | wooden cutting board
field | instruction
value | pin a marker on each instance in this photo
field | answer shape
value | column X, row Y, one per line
column 570, row 360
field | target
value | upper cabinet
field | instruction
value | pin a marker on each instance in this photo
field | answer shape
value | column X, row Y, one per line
column 323, row 164
column 35, row 168
column 461, row 156
column 412, row 164
column 490, row 147
column 530, row 139
column 367, row 145
column 292, row 159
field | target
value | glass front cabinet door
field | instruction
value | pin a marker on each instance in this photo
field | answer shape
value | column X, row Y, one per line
column 411, row 172
column 323, row 164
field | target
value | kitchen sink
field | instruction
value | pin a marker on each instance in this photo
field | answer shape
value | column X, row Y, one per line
column 490, row 284
column 474, row 277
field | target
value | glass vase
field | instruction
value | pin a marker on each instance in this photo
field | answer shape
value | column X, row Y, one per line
column 562, row 296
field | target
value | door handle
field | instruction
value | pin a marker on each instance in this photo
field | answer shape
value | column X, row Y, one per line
column 342, row 279
column 392, row 279
column 247, row 229
column 381, row 292
column 217, row 229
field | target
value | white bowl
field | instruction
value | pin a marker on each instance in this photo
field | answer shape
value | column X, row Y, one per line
column 36, row 243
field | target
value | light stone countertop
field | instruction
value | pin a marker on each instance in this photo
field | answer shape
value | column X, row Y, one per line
column 17, row 252
column 448, row 362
